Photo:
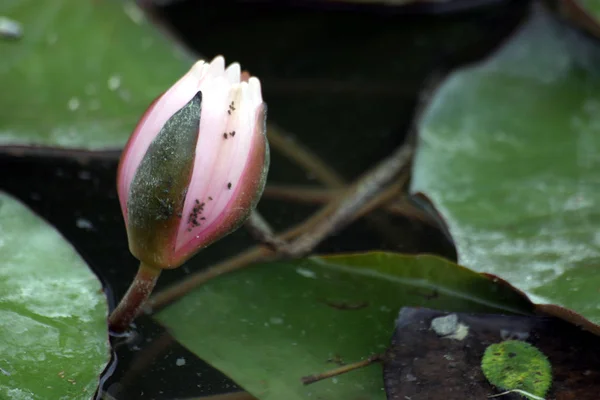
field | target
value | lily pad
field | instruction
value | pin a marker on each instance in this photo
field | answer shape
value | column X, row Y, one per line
column 53, row 333
column 508, row 154
column 81, row 73
column 270, row 324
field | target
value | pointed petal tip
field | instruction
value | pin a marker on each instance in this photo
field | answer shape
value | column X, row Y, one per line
column 234, row 72
column 198, row 69
column 255, row 90
column 217, row 66
column 219, row 59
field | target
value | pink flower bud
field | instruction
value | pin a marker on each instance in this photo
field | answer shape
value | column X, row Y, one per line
column 195, row 165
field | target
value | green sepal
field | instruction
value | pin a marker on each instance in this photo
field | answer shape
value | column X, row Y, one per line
column 158, row 189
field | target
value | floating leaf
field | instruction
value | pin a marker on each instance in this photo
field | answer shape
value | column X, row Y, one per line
column 81, row 74
column 53, row 333
column 508, row 155
column 517, row 365
column 270, row 324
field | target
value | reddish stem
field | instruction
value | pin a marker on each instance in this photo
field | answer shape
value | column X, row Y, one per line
column 134, row 299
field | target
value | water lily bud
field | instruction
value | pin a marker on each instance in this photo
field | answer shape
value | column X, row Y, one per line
column 195, row 165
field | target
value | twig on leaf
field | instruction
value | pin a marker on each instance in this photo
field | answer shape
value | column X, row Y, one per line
column 307, row 380
column 228, row 396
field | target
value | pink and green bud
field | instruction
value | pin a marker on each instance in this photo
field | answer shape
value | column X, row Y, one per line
column 195, row 165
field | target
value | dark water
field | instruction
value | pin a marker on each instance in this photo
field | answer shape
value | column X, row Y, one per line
column 344, row 81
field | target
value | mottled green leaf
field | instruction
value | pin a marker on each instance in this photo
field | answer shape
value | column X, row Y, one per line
column 53, row 332
column 517, row 365
column 509, row 155
column 270, row 324
column 81, row 74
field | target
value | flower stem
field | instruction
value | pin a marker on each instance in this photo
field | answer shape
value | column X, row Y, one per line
column 134, row 299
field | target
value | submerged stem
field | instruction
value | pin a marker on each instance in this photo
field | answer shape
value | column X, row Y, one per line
column 400, row 206
column 137, row 294
column 368, row 186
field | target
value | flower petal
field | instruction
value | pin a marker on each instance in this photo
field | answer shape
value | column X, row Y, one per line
column 255, row 91
column 217, row 67
column 232, row 206
column 233, row 73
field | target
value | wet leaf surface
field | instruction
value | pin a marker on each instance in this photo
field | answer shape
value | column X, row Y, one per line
column 508, row 156
column 53, row 333
column 421, row 364
column 81, row 74
column 270, row 324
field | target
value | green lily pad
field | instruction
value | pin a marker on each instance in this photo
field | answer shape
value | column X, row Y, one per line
column 81, row 74
column 270, row 324
column 53, row 332
column 508, row 155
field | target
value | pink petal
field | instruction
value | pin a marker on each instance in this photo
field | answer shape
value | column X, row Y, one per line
column 220, row 176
